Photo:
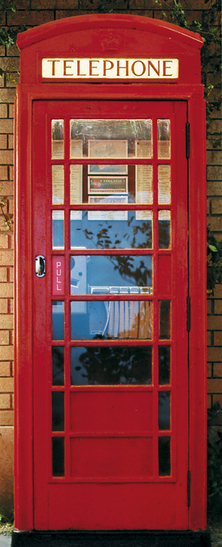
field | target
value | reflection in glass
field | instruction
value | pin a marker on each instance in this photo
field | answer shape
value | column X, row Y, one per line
column 109, row 320
column 111, row 138
column 111, row 274
column 58, row 320
column 104, row 184
column 164, row 410
column 164, row 456
column 164, row 319
column 164, row 365
column 57, row 366
column 57, row 129
column 57, row 184
column 58, row 229
column 57, row 411
column 164, row 139
column 164, row 184
column 111, row 365
column 164, row 230
column 111, row 229
column 108, row 185
column 76, row 178
column 144, row 184
column 58, row 460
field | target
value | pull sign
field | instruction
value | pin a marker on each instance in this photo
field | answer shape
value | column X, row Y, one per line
column 40, row 266
column 58, row 277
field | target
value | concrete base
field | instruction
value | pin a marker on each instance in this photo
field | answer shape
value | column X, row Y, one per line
column 111, row 539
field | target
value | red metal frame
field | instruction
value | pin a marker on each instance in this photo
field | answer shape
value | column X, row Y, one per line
column 188, row 88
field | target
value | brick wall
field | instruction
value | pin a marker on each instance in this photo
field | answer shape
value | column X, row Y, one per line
column 32, row 13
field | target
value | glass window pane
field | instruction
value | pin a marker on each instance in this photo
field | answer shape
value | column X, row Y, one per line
column 111, row 365
column 164, row 184
column 58, row 460
column 164, row 456
column 111, row 184
column 111, row 229
column 58, row 229
column 164, row 365
column 58, row 411
column 76, row 183
column 58, row 320
column 164, row 410
column 109, row 320
column 57, row 139
column 164, row 229
column 57, row 184
column 144, row 184
column 164, row 319
column 58, row 366
column 102, row 182
column 111, row 138
column 164, row 139
column 111, row 274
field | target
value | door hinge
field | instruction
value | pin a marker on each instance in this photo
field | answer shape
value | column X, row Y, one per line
column 188, row 487
column 187, row 140
column 188, row 313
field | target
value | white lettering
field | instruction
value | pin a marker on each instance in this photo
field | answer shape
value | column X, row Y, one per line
column 58, row 274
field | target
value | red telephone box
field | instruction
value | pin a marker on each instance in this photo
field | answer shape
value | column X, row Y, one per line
column 110, row 283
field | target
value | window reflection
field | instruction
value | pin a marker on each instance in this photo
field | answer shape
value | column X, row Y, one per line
column 111, row 138
column 57, row 320
column 111, row 229
column 164, row 410
column 164, row 456
column 164, row 184
column 57, row 128
column 58, row 229
column 58, row 411
column 164, row 229
column 111, row 365
column 111, row 274
column 57, row 366
column 164, row 365
column 109, row 320
column 164, row 319
column 58, row 184
column 58, row 460
column 164, row 139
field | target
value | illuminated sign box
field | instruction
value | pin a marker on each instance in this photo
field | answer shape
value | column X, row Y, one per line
column 154, row 69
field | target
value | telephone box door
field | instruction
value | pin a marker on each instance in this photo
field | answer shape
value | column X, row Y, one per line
column 110, row 294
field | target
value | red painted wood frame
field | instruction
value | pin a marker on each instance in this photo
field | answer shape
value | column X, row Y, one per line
column 24, row 284
column 127, row 491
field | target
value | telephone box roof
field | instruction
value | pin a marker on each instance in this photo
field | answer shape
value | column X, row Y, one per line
column 84, row 22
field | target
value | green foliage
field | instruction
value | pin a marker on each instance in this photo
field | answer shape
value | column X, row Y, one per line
column 6, row 518
column 8, row 35
column 4, row 206
column 209, row 29
column 214, row 463
column 214, row 261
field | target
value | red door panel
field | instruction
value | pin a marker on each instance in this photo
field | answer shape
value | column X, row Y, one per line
column 110, row 340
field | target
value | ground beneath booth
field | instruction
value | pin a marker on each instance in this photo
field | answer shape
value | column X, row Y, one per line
column 215, row 530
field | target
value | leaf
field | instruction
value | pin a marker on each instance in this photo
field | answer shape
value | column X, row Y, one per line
column 213, row 248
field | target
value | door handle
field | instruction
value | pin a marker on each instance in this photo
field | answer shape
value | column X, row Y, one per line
column 40, row 266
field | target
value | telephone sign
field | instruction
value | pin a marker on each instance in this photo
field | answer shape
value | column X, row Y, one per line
column 111, row 68
column 110, row 376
